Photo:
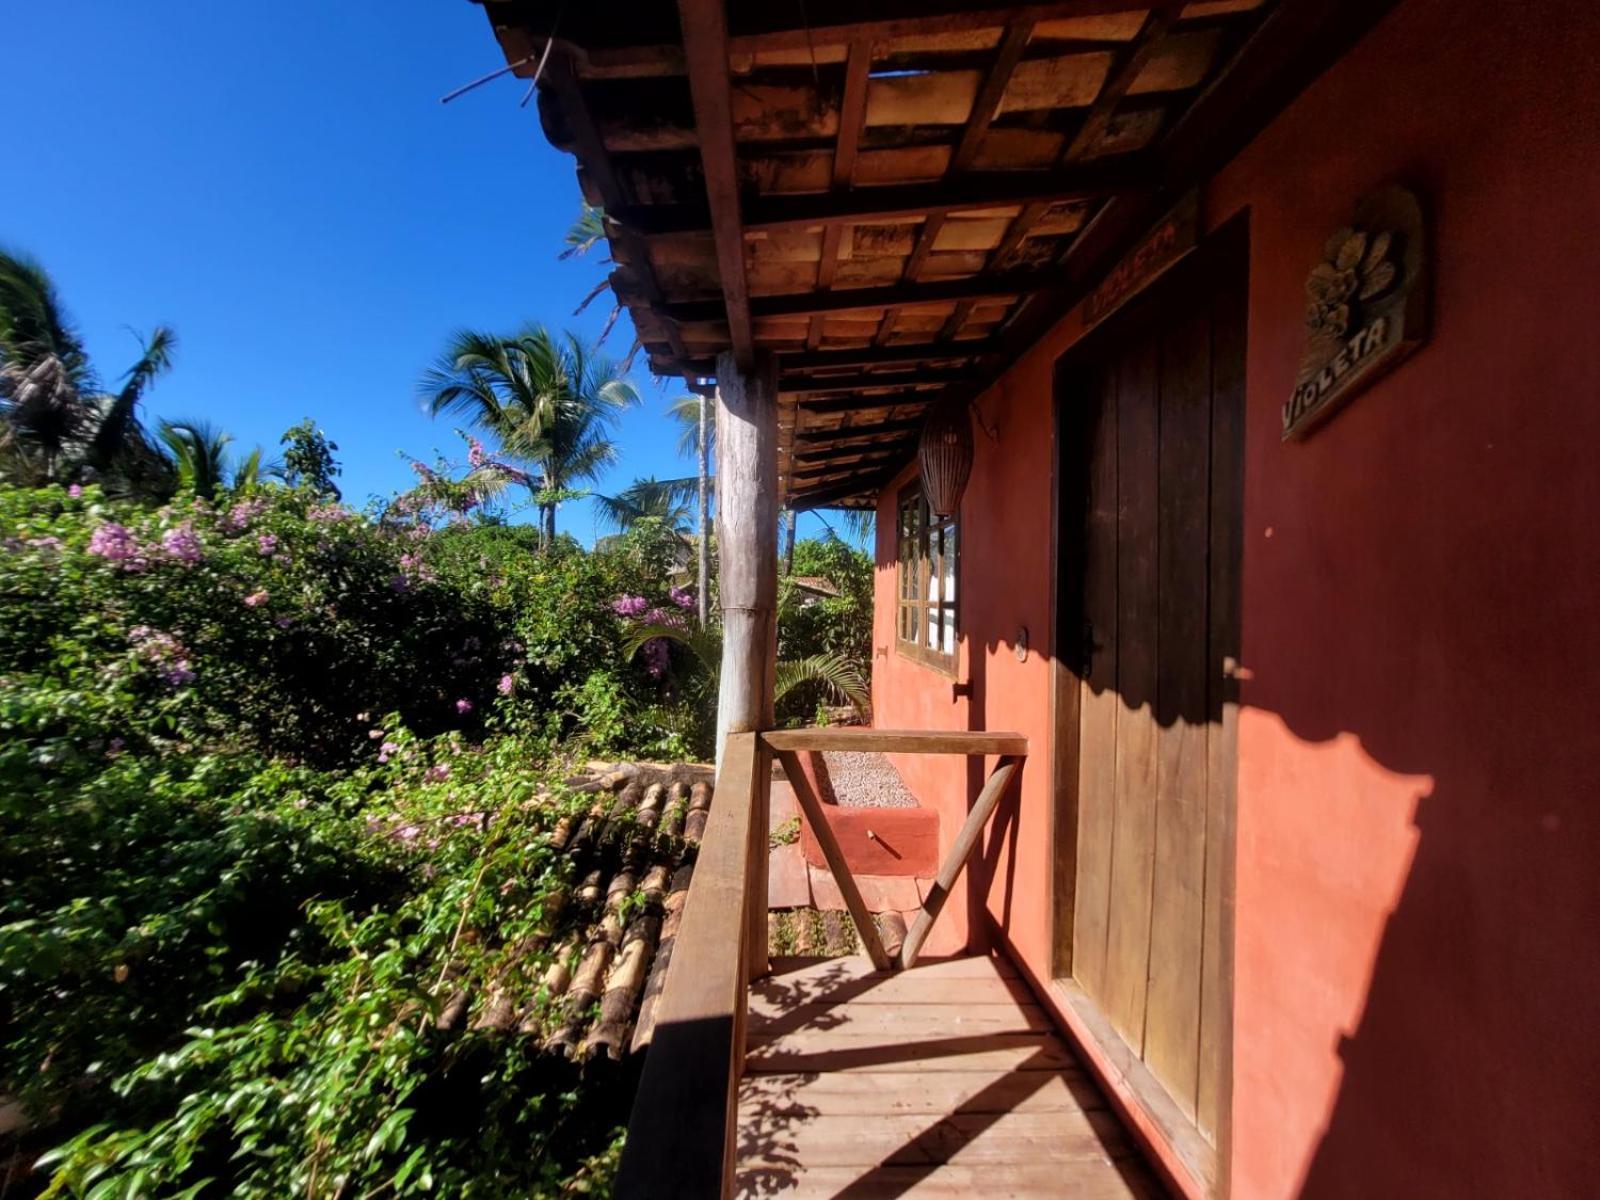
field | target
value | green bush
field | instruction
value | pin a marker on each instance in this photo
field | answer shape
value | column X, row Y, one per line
column 232, row 891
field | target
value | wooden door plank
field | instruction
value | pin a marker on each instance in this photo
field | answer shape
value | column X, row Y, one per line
column 1172, row 1019
column 901, row 1092
column 1133, row 827
column 1096, row 641
column 1226, row 552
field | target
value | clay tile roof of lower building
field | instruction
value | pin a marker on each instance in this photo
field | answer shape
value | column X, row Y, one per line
column 631, row 858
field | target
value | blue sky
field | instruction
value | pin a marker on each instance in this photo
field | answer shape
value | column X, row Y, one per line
column 281, row 184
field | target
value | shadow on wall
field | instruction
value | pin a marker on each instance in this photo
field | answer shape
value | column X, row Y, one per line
column 1418, row 987
column 1443, row 936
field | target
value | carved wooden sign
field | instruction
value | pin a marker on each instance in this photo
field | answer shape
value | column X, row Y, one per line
column 1366, row 307
column 1176, row 234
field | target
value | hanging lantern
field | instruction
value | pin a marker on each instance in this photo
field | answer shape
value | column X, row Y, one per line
column 945, row 455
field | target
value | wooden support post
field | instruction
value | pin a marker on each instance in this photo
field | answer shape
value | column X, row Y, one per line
column 966, row 843
column 747, row 574
column 812, row 807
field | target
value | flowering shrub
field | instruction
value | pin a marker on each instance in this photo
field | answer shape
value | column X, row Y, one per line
column 232, row 890
column 294, row 616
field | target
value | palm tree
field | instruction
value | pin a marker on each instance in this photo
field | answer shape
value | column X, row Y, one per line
column 55, row 422
column 697, row 433
column 256, row 471
column 199, row 455
column 548, row 402
column 664, row 500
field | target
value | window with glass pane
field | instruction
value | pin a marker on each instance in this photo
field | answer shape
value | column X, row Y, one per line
column 926, row 621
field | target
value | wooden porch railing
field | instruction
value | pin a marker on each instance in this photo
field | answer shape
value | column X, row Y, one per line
column 681, row 1134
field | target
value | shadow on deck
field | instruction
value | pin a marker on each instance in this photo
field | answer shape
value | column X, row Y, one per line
column 945, row 1080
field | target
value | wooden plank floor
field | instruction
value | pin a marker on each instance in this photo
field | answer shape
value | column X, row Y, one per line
column 942, row 1081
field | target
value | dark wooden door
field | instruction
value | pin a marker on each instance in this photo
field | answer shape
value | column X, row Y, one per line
column 1150, row 416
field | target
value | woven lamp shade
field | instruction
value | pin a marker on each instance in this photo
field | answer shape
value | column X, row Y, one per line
column 945, row 455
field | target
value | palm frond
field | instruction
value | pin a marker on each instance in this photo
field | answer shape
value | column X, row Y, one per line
column 585, row 232
column 840, row 676
column 704, row 644
column 118, row 432
column 199, row 452
column 34, row 324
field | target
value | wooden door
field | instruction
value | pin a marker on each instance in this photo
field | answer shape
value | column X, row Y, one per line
column 1149, row 536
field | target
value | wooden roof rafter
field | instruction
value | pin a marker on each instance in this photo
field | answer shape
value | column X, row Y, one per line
column 705, row 50
column 898, row 199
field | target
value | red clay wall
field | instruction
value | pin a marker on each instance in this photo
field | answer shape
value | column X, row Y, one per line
column 1418, row 896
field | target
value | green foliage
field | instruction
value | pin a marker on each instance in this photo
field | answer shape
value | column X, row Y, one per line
column 233, row 899
column 815, row 628
column 308, row 460
column 276, row 781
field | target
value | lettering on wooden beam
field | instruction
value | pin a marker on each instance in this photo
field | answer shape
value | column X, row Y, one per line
column 1174, row 236
column 1366, row 307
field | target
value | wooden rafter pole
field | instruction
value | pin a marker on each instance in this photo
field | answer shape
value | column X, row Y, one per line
column 592, row 153
column 705, row 49
column 1132, row 62
column 987, row 102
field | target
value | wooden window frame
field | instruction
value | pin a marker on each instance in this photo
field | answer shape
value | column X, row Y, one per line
column 917, row 565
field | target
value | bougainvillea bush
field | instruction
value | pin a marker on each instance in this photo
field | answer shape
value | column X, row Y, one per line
column 265, row 767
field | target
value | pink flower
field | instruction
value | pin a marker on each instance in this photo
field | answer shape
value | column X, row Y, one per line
column 256, row 599
column 75, row 491
column 385, row 750
column 116, row 543
column 267, row 543
column 682, row 597
column 630, row 606
column 463, row 706
column 504, row 686
column 656, row 657
column 437, row 773
column 182, row 544
column 475, row 455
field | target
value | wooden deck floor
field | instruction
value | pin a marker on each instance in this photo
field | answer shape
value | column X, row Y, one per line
column 942, row 1081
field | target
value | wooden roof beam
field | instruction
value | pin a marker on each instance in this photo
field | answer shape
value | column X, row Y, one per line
column 898, row 445
column 852, row 115
column 855, row 433
column 865, row 487
column 908, row 201
column 1130, row 64
column 592, row 155
column 645, row 35
column 800, row 385
column 834, row 405
column 975, row 287
column 987, row 102
column 705, row 49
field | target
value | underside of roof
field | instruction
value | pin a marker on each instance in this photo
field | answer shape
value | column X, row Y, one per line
column 894, row 197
